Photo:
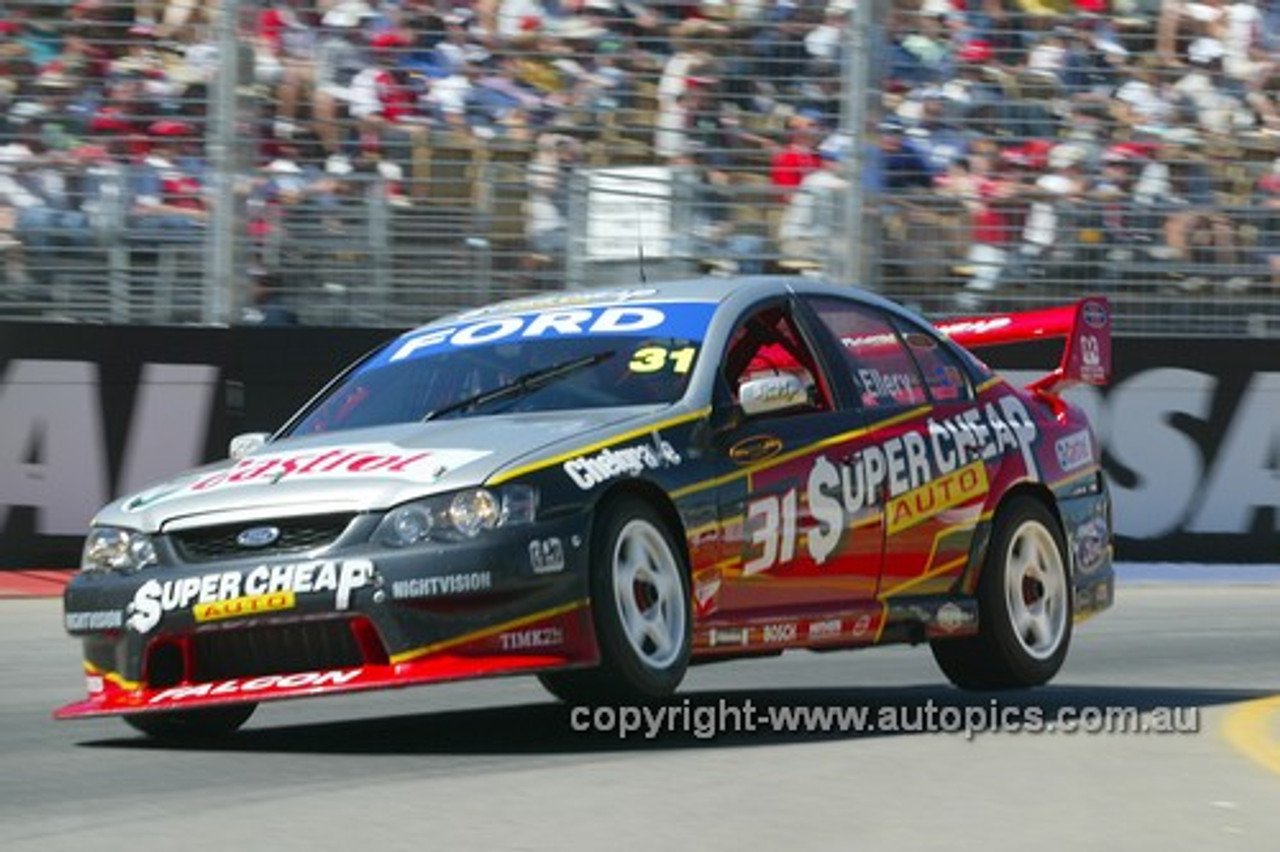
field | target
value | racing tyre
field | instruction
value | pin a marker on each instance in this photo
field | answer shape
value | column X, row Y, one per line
column 1024, row 606
column 640, row 607
column 192, row 725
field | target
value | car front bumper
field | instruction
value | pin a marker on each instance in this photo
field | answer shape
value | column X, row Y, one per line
column 356, row 617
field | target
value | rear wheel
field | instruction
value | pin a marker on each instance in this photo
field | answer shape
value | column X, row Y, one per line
column 1024, row 606
column 205, row 724
column 640, row 606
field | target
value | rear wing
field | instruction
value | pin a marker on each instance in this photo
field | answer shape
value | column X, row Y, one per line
column 1086, row 358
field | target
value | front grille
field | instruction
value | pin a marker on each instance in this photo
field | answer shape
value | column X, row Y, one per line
column 274, row 649
column 219, row 542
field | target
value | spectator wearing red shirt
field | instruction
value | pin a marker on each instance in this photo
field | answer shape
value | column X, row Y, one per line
column 799, row 157
column 169, row 185
column 380, row 94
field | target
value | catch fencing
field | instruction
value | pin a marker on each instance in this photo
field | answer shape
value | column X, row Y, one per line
column 379, row 164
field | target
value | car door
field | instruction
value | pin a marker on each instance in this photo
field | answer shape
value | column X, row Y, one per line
column 785, row 558
column 921, row 456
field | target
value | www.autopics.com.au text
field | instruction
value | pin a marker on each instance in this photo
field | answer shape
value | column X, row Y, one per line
column 708, row 721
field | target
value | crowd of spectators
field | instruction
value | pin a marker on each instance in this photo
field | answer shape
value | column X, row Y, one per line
column 1091, row 136
column 1067, row 137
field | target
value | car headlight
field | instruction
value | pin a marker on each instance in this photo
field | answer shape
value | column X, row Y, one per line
column 117, row 549
column 457, row 515
column 410, row 523
column 473, row 510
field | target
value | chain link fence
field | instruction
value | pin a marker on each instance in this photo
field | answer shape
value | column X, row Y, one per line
column 379, row 163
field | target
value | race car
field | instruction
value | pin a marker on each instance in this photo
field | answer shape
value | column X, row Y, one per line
column 599, row 487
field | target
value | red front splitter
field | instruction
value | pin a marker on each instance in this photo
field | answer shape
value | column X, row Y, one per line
column 564, row 640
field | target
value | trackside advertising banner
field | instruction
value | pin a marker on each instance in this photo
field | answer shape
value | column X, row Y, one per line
column 1191, row 430
column 88, row 413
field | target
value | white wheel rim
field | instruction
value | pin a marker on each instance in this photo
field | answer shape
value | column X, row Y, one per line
column 649, row 594
column 1036, row 590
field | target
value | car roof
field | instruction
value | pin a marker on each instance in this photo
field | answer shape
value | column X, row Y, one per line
column 740, row 289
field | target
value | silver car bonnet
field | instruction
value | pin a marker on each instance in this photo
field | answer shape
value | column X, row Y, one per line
column 358, row 470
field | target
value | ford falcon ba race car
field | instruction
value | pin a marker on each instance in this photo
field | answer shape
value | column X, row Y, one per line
column 600, row 487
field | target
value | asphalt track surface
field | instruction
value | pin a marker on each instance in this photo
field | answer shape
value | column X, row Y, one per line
column 497, row 765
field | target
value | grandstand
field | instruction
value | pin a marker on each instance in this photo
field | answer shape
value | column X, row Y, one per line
column 389, row 160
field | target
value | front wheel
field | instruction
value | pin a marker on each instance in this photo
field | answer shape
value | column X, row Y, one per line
column 192, row 725
column 640, row 606
column 1024, row 606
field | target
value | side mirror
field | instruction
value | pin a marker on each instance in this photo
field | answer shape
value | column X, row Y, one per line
column 246, row 444
column 772, row 393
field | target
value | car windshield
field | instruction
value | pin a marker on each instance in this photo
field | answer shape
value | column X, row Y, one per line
column 580, row 358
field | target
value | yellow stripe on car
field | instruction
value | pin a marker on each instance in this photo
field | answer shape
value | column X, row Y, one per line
column 427, row 650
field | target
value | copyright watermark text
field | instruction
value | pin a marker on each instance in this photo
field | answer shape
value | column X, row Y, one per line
column 707, row 721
